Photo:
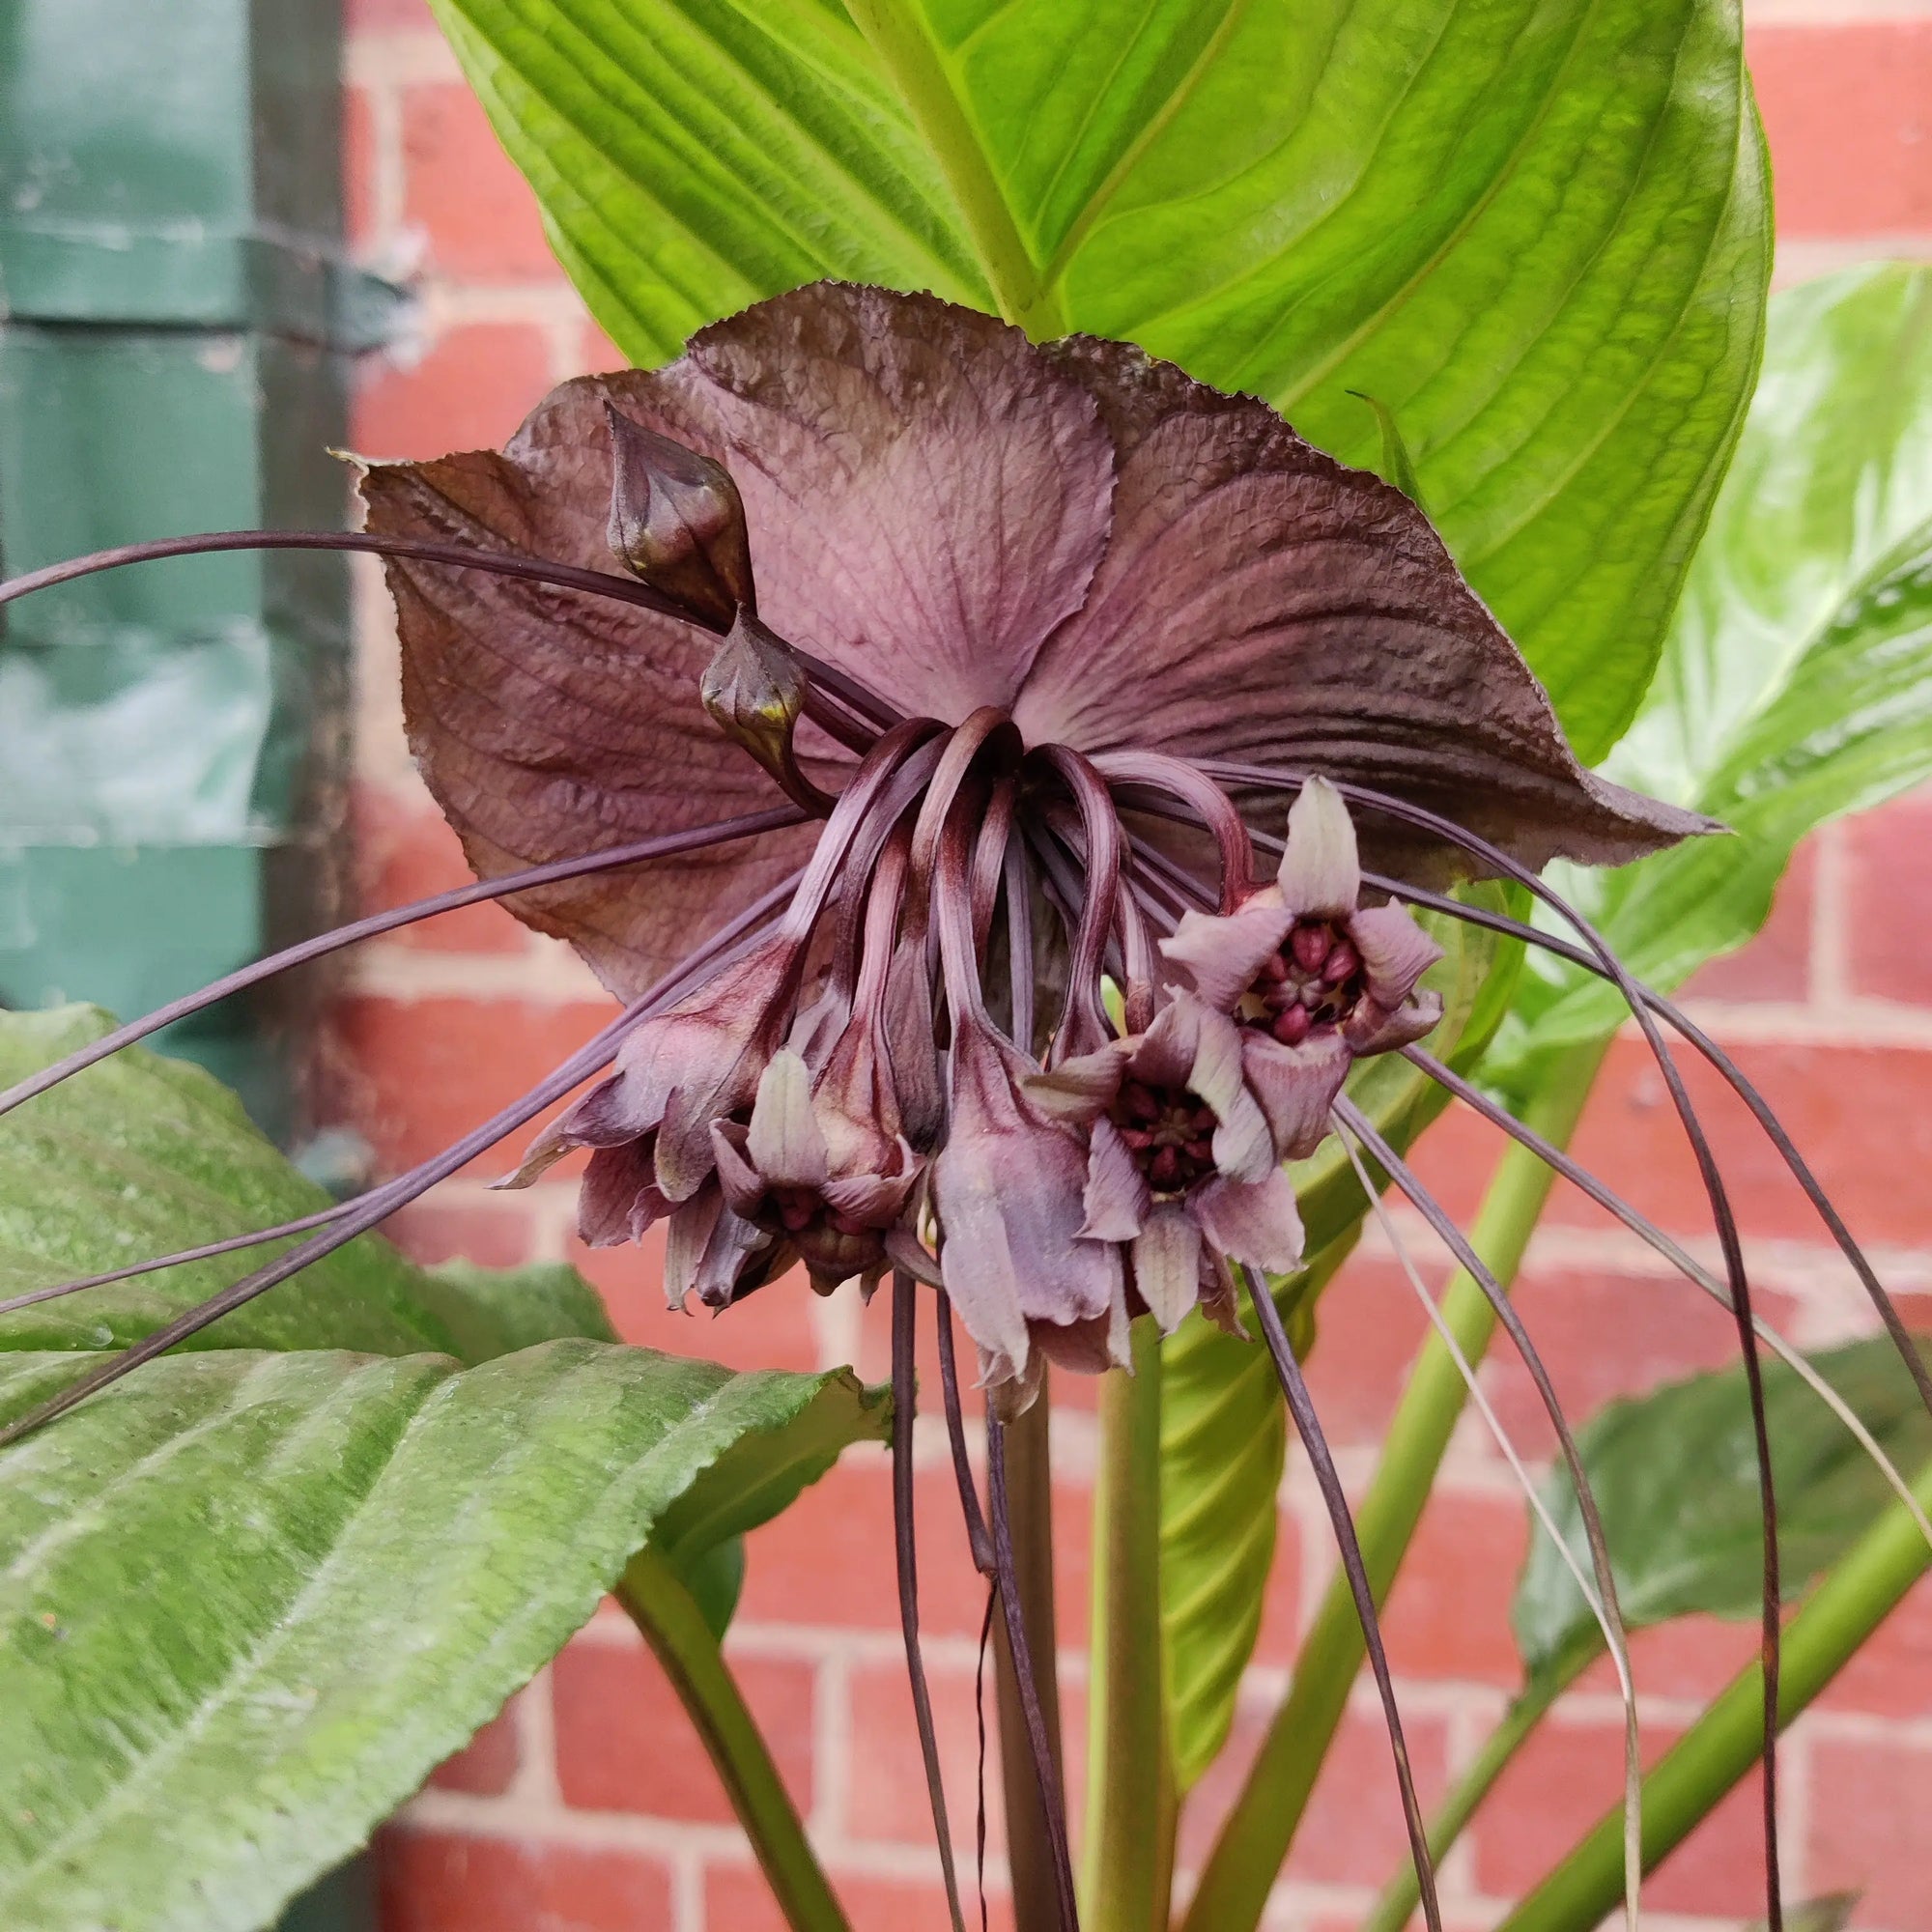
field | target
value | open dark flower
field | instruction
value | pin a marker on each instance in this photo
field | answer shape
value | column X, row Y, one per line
column 1182, row 1165
column 1314, row 980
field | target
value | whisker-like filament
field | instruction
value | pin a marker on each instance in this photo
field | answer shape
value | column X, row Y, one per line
column 849, row 690
column 1684, row 1263
column 1609, row 1619
column 905, row 1314
column 1733, row 1075
column 1500, row 863
column 367, row 1210
column 979, row 1538
column 1308, row 1426
column 323, row 1217
column 505, row 886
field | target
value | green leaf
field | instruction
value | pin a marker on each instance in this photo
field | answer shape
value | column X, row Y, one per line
column 494, row 1312
column 1675, row 1477
column 378, row 1551
column 1224, row 1432
column 1397, row 465
column 1536, row 230
column 143, row 1155
column 1796, row 681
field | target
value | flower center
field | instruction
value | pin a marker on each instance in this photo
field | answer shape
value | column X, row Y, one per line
column 1314, row 980
column 1171, row 1132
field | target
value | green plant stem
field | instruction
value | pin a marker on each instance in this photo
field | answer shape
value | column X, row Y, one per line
column 664, row 1609
column 1527, row 1709
column 1724, row 1745
column 1260, row 1827
column 1030, row 1511
column 1131, row 1805
column 918, row 69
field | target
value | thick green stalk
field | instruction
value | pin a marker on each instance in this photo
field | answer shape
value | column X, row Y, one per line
column 1723, row 1746
column 663, row 1608
column 1131, row 1805
column 918, row 69
column 1260, row 1827
column 1030, row 1511
column 1527, row 1709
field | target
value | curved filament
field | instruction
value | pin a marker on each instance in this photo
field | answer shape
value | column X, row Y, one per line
column 1501, row 863
column 696, row 839
column 1308, row 1426
column 1686, row 1265
column 850, row 693
column 1608, row 1620
column 906, row 1396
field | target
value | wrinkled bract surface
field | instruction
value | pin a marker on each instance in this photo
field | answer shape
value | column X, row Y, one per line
column 1073, row 531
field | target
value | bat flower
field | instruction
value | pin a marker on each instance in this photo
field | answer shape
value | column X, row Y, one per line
column 1183, row 1166
column 1312, row 978
column 874, row 680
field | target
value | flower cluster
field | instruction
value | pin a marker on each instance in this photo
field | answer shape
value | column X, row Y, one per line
column 1010, row 601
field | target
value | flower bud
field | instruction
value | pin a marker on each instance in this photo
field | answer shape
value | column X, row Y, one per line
column 677, row 523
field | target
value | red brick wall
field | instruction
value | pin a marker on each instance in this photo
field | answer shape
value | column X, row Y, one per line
column 590, row 1805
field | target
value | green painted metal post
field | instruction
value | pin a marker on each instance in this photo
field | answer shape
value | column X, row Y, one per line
column 176, row 321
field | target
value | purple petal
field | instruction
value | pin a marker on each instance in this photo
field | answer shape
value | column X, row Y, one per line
column 1115, row 1197
column 1396, row 952
column 1256, row 1222
column 1082, row 1086
column 1370, row 1030
column 1007, row 1188
column 1260, row 601
column 618, row 1200
column 783, row 1141
column 744, row 1186
column 875, row 1198
column 1321, row 875
column 1220, row 1301
column 1296, row 1086
column 1164, row 1055
column 1219, row 956
column 1167, row 1264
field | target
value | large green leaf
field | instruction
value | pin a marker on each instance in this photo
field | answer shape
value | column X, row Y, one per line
column 1797, row 680
column 1534, row 230
column 143, row 1155
column 1224, row 1432
column 249, row 1601
column 1675, row 1475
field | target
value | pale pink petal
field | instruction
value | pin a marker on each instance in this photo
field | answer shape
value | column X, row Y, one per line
column 1217, row 956
column 1167, row 1264
column 1243, row 1146
column 1080, row 1088
column 1253, row 1222
column 783, row 1141
column 874, row 1199
column 1370, row 1030
column 618, row 1199
column 1396, row 952
column 1006, row 1189
column 1164, row 1055
column 1262, row 602
column 1115, row 1197
column 1320, row 874
column 1296, row 1086
column 688, row 1230
column 743, row 1185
